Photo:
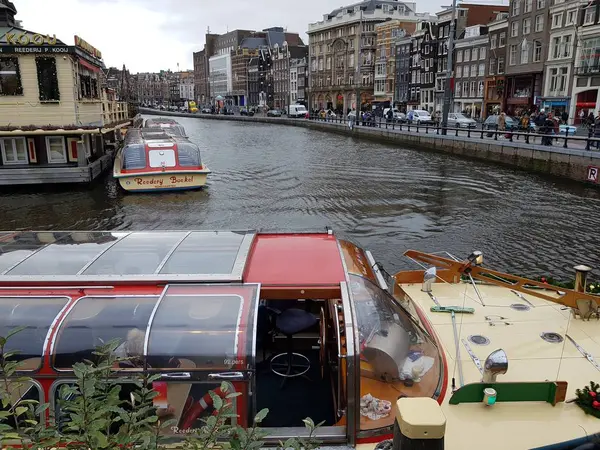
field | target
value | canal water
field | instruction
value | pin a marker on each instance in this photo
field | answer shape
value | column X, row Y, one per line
column 387, row 199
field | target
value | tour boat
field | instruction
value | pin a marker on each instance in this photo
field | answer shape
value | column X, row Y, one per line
column 159, row 159
column 451, row 356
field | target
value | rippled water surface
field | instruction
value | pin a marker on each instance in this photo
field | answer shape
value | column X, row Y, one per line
column 388, row 199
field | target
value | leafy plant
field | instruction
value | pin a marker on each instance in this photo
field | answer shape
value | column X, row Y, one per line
column 92, row 414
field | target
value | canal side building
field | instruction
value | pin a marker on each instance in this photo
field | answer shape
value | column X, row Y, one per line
column 402, row 72
column 56, row 112
column 527, row 49
column 342, row 50
column 423, row 67
column 586, row 84
column 558, row 73
column 471, row 61
column 495, row 81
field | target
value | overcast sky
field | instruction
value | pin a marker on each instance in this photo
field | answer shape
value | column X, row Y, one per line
column 153, row 35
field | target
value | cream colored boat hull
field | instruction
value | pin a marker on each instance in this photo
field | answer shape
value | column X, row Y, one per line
column 164, row 182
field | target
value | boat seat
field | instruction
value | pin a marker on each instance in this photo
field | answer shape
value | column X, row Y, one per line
column 291, row 322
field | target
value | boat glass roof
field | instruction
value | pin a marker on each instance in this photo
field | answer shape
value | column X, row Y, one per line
column 36, row 315
column 96, row 320
column 152, row 255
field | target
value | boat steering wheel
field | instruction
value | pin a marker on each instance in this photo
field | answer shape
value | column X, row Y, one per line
column 322, row 342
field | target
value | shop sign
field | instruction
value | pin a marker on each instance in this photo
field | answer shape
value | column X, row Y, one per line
column 83, row 45
column 30, row 39
column 593, row 174
column 36, row 50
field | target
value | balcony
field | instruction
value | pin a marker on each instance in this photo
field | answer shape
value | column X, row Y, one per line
column 588, row 69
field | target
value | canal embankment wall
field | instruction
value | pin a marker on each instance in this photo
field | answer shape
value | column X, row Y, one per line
column 574, row 164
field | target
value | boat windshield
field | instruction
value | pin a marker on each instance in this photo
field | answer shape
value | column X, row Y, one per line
column 397, row 357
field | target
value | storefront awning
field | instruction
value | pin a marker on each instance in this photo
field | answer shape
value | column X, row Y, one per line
column 88, row 66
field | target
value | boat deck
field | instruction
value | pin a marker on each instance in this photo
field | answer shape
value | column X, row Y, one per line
column 530, row 358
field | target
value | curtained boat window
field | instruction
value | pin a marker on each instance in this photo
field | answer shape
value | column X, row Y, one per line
column 134, row 157
column 35, row 314
column 88, row 84
column 47, row 79
column 94, row 321
column 189, row 154
column 10, row 76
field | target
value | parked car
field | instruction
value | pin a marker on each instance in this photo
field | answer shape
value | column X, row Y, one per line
column 422, row 117
column 398, row 116
column 273, row 113
column 458, row 120
column 246, row 112
column 297, row 111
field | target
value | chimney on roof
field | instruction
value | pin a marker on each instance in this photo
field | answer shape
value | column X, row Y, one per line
column 7, row 14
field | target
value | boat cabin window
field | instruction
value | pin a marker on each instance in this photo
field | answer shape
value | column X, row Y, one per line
column 397, row 357
column 134, row 156
column 36, row 315
column 66, row 256
column 95, row 321
column 189, row 154
column 161, row 157
column 205, row 252
column 18, row 392
column 203, row 327
column 138, row 253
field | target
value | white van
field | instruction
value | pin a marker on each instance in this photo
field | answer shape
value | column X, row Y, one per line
column 297, row 111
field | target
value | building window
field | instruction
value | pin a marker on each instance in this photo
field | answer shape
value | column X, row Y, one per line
column 482, row 53
column 537, row 51
column 541, row 4
column 475, row 54
column 514, row 29
column 557, row 20
column 589, row 15
column 571, row 15
column 515, row 8
column 502, row 41
column 88, row 86
column 473, row 70
column 459, row 72
column 494, row 41
column 512, row 58
column 14, row 151
column 539, row 23
column 492, row 68
column 459, row 56
column 47, row 79
column 526, row 26
column 55, row 147
column 481, row 69
column 501, row 65
column 527, row 6
column 467, row 57
column 480, row 87
column 524, row 54
column 10, row 77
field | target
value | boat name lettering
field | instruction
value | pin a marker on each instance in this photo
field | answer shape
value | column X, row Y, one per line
column 233, row 362
column 185, row 179
column 26, row 39
column 141, row 181
column 177, row 430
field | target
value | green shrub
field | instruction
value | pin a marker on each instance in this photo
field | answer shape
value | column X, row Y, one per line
column 91, row 415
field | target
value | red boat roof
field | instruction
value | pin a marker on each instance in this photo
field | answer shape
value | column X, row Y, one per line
column 295, row 260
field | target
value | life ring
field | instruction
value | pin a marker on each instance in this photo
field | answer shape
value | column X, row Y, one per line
column 193, row 412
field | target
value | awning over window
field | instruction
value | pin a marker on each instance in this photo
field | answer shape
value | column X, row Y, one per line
column 88, row 66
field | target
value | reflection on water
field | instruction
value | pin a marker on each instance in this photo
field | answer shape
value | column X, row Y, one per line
column 388, row 199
